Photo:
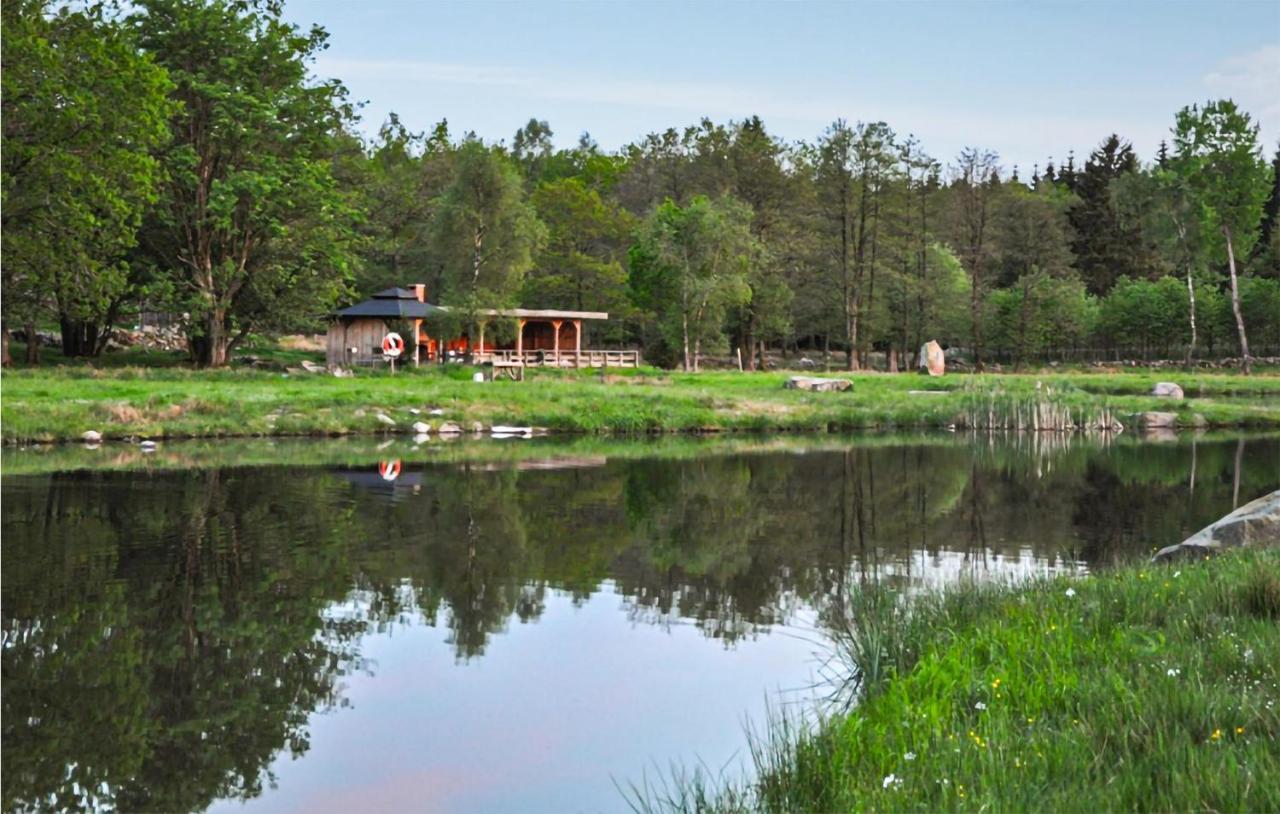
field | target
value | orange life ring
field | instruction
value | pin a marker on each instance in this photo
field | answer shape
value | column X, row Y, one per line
column 389, row 470
column 392, row 344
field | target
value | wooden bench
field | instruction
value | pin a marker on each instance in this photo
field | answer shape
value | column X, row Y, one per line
column 507, row 368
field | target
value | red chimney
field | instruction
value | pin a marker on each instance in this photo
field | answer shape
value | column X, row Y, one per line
column 420, row 291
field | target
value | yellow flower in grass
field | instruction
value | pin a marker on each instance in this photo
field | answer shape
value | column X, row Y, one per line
column 1239, row 730
column 1217, row 735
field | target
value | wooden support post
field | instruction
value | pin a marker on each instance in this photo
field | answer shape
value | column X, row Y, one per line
column 520, row 340
column 555, row 342
column 577, row 343
column 417, row 326
column 480, row 349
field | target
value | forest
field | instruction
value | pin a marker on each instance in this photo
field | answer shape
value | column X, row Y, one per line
column 181, row 157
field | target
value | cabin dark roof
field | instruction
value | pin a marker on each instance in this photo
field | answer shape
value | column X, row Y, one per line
column 393, row 303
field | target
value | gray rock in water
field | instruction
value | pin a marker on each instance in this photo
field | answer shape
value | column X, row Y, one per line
column 421, row 427
column 476, row 426
column 1255, row 524
column 816, row 384
column 450, row 428
column 1155, row 421
column 386, row 419
column 1167, row 390
column 91, row 436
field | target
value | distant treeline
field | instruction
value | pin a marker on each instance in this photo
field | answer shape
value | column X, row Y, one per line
column 181, row 155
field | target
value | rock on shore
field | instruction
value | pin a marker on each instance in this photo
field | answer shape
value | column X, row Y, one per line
column 1255, row 524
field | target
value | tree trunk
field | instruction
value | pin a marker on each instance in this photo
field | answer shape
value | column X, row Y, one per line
column 213, row 349
column 893, row 358
column 684, row 330
column 697, row 353
column 5, row 359
column 1246, row 362
column 1191, row 298
column 79, row 338
column 33, row 343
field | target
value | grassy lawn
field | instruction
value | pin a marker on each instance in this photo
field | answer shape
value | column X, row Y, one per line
column 60, row 403
column 1144, row 688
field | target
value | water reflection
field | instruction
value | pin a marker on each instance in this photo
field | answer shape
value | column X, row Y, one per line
column 167, row 634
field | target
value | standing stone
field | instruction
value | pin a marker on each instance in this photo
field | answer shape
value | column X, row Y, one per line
column 932, row 359
column 1167, row 390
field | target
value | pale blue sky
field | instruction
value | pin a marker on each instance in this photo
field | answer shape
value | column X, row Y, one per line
column 1029, row 80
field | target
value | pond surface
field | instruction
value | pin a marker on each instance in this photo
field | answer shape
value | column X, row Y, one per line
column 503, row 632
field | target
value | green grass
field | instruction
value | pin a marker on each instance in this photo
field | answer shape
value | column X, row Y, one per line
column 1143, row 688
column 60, row 403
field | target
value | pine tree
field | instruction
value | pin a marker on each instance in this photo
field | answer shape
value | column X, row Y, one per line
column 1067, row 176
column 1162, row 155
column 1105, row 248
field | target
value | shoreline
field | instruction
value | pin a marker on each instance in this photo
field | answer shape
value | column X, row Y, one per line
column 1143, row 686
column 59, row 406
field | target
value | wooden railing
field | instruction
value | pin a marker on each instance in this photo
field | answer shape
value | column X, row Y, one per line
column 563, row 358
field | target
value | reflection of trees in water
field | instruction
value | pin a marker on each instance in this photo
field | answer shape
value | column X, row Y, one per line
column 192, row 621
column 162, row 678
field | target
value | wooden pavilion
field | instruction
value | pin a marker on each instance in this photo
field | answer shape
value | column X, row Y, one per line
column 543, row 337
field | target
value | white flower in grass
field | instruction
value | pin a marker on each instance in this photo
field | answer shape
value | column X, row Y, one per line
column 910, row 756
column 1071, row 592
column 891, row 780
column 980, row 705
column 1173, row 672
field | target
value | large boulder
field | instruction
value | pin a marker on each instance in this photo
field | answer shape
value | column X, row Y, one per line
column 1167, row 390
column 1157, row 421
column 932, row 360
column 1255, row 524
column 816, row 384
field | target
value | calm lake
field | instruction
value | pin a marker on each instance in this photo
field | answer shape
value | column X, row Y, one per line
column 505, row 626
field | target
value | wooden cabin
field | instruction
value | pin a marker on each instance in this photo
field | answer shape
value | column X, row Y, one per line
column 543, row 337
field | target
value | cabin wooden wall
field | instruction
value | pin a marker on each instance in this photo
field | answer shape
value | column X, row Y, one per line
column 364, row 334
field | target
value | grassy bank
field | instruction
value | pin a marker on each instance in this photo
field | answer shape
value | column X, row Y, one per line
column 1144, row 688
column 41, row 405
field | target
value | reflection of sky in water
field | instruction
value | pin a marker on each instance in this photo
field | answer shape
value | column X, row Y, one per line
column 557, row 710
column 541, row 722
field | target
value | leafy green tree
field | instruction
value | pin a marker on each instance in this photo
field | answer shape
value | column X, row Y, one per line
column 580, row 264
column 1144, row 314
column 1159, row 205
column 1033, row 258
column 251, row 213
column 855, row 168
column 975, row 185
column 532, row 150
column 1218, row 153
column 83, row 112
column 484, row 235
column 689, row 265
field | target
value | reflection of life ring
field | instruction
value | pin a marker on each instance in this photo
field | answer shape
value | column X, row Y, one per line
column 389, row 470
column 392, row 345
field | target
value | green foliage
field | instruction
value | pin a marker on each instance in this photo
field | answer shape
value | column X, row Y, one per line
column 485, row 233
column 83, row 114
column 689, row 266
column 251, row 220
column 1145, row 314
column 1147, row 687
column 579, row 266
